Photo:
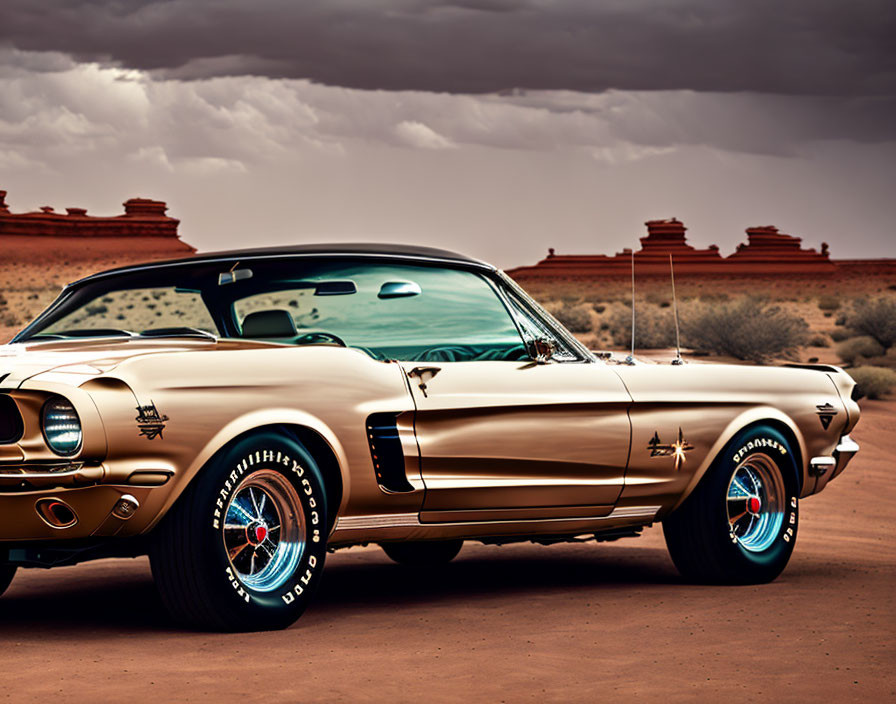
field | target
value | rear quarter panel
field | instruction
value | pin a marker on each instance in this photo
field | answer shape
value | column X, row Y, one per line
column 710, row 404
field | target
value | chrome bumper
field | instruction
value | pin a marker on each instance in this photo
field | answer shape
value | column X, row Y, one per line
column 820, row 467
column 843, row 453
column 34, row 476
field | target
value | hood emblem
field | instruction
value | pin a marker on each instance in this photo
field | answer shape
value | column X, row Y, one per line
column 826, row 413
column 677, row 449
column 150, row 422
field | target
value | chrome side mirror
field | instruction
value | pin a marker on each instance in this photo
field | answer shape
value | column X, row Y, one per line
column 542, row 350
column 399, row 289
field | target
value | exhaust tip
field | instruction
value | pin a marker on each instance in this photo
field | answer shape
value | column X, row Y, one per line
column 56, row 513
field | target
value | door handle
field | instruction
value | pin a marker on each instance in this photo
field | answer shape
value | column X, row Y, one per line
column 420, row 372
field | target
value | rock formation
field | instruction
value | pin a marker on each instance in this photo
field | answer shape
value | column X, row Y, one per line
column 142, row 218
column 767, row 251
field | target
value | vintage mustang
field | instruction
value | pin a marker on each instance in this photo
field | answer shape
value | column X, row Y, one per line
column 236, row 415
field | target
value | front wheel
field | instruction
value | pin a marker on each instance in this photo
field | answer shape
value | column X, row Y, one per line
column 739, row 525
column 244, row 547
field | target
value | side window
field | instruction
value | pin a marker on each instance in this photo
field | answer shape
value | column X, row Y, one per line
column 138, row 310
column 533, row 328
column 395, row 311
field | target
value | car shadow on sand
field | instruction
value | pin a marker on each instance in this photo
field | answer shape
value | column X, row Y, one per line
column 119, row 596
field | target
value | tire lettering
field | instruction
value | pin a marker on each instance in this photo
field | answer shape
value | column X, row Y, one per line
column 230, row 484
column 235, row 583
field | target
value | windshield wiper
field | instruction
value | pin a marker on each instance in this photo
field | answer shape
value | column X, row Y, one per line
column 179, row 332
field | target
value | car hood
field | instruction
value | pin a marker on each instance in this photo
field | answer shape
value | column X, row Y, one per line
column 23, row 360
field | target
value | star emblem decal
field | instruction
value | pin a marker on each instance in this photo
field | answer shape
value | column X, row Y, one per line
column 677, row 449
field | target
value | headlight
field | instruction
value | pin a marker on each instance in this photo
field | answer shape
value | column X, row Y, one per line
column 61, row 426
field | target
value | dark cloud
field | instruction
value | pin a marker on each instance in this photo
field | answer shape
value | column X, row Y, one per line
column 822, row 47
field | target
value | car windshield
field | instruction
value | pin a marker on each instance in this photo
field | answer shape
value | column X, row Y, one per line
column 388, row 309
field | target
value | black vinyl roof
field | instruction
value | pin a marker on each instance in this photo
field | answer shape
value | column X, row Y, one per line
column 396, row 251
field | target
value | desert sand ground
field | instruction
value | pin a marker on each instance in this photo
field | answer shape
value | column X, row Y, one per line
column 521, row 623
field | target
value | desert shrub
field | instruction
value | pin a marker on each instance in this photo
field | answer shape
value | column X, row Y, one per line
column 841, row 320
column 839, row 334
column 854, row 349
column 574, row 318
column 749, row 329
column 97, row 309
column 8, row 320
column 875, row 318
column 599, row 308
column 3, row 301
column 653, row 329
column 873, row 382
column 829, row 302
column 720, row 297
column 819, row 340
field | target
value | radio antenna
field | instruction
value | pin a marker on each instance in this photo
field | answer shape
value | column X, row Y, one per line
column 678, row 359
column 631, row 357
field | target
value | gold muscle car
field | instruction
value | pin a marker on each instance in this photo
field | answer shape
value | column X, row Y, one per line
column 236, row 415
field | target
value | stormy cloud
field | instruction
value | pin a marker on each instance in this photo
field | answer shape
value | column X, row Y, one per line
column 800, row 47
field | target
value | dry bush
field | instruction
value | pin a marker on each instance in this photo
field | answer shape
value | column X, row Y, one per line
column 819, row 340
column 855, row 349
column 829, row 302
column 653, row 329
column 873, row 382
column 748, row 329
column 575, row 318
column 875, row 318
column 839, row 334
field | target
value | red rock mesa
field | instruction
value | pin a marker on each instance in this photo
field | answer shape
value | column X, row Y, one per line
column 143, row 231
column 767, row 251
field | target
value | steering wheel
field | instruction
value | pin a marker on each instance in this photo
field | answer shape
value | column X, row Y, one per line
column 319, row 337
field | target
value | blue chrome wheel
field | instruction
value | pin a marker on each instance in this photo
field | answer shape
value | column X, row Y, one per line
column 756, row 503
column 264, row 530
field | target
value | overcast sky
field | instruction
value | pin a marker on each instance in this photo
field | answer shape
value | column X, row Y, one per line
column 494, row 127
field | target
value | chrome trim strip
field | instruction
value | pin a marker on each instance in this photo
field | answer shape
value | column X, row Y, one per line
column 634, row 512
column 395, row 520
column 412, row 520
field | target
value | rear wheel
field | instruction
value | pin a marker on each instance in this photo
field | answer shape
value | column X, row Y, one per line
column 7, row 572
column 423, row 552
column 739, row 525
column 244, row 546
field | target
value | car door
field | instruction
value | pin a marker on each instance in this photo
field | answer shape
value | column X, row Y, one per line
column 511, row 438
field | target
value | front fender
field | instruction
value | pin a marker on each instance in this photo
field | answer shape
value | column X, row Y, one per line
column 255, row 420
column 751, row 416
